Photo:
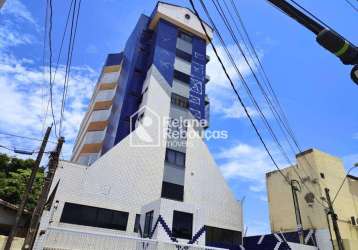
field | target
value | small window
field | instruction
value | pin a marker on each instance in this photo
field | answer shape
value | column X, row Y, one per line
column 180, row 101
column 322, row 175
column 136, row 223
column 172, row 191
column 148, row 224
column 182, row 225
column 185, row 36
column 175, row 157
column 180, row 159
column 180, row 76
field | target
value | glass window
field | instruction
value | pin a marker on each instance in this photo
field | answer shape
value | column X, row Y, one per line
column 104, row 218
column 172, row 191
column 94, row 216
column 175, row 157
column 180, row 101
column 148, row 224
column 180, row 159
column 170, row 156
column 180, row 76
column 182, row 225
column 136, row 223
column 94, row 137
column 185, row 36
column 222, row 237
column 105, row 95
column 110, row 77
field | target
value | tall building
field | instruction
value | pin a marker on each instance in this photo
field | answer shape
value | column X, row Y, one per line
column 318, row 171
column 145, row 179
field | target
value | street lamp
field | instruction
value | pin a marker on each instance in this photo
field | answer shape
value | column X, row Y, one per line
column 354, row 76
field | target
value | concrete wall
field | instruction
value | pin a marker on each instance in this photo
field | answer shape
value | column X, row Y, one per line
column 318, row 171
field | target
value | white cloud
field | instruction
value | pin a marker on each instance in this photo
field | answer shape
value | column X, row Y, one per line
column 257, row 227
column 223, row 100
column 263, row 198
column 245, row 161
column 24, row 86
column 249, row 164
column 17, row 9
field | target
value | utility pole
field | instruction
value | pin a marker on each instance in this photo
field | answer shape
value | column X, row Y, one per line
column 26, row 195
column 334, row 220
column 295, row 189
column 37, row 213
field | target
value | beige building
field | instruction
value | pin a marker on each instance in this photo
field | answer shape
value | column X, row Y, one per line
column 318, row 171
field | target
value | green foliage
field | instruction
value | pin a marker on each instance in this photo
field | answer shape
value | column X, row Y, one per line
column 14, row 174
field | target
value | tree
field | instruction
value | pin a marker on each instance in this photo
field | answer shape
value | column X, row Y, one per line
column 14, row 174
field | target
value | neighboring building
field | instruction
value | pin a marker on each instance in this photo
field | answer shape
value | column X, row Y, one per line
column 7, row 218
column 318, row 171
column 142, row 181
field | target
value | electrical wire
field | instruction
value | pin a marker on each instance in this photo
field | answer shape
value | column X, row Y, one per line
column 344, row 180
column 248, row 89
column 280, row 116
column 58, row 58
column 227, row 24
column 352, row 5
column 23, row 137
column 238, row 95
column 73, row 32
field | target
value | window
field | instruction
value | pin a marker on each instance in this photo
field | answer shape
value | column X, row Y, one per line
column 182, row 225
column 322, row 175
column 148, row 224
column 105, row 95
column 172, row 191
column 218, row 237
column 183, row 55
column 180, row 76
column 185, row 36
column 180, row 101
column 175, row 157
column 136, row 223
column 94, row 216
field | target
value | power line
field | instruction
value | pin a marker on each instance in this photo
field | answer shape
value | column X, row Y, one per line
column 237, row 94
column 58, row 57
column 73, row 32
column 23, row 137
column 280, row 117
column 344, row 180
column 248, row 89
column 49, row 4
column 353, row 7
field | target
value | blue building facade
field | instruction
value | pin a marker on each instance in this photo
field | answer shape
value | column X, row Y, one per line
column 160, row 47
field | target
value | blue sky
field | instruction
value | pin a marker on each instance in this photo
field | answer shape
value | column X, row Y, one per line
column 314, row 88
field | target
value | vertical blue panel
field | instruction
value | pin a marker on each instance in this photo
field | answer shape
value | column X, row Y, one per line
column 197, row 79
column 164, row 52
column 126, row 96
